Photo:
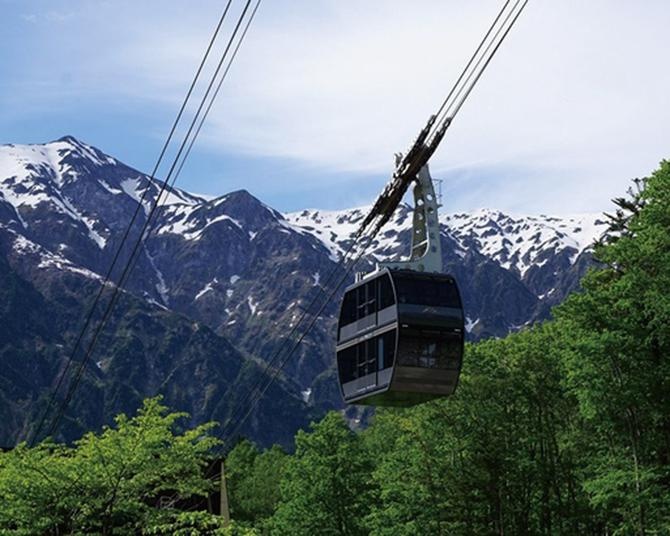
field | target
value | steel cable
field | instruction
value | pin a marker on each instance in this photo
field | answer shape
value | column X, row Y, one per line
column 126, row 234
column 144, row 232
column 446, row 106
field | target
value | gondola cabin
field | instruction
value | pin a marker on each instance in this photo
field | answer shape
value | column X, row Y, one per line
column 400, row 338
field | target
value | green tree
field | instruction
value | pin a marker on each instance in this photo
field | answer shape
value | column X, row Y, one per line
column 253, row 479
column 108, row 482
column 616, row 347
column 491, row 459
column 325, row 488
column 195, row 524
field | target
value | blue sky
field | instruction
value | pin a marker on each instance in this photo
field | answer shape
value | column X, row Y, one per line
column 324, row 91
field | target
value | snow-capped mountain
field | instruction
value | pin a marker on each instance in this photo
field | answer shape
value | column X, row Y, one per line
column 525, row 245
column 247, row 271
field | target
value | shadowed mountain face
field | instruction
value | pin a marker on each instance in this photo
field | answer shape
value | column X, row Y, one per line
column 217, row 285
column 144, row 351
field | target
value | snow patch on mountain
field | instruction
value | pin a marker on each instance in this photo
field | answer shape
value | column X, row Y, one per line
column 514, row 242
column 207, row 288
column 161, row 286
column 133, row 189
column 90, row 223
column 253, row 306
column 191, row 220
column 23, row 162
column 47, row 259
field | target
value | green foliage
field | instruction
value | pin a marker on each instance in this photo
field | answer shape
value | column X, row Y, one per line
column 616, row 345
column 488, row 460
column 253, row 481
column 195, row 524
column 325, row 488
column 106, row 483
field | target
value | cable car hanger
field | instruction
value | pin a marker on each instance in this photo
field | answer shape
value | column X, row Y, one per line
column 401, row 328
column 426, row 143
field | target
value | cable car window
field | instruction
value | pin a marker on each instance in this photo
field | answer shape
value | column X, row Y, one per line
column 348, row 314
column 366, row 300
column 366, row 357
column 347, row 363
column 360, row 302
column 371, row 364
column 385, row 292
column 440, row 351
column 380, row 353
column 370, row 298
column 430, row 292
column 361, row 360
column 386, row 350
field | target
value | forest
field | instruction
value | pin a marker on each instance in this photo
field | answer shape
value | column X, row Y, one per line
column 560, row 428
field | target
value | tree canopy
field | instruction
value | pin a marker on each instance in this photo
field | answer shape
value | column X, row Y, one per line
column 112, row 482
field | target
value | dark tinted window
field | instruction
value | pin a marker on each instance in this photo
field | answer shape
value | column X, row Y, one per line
column 356, row 361
column 347, row 363
column 348, row 313
column 430, row 350
column 420, row 291
column 385, row 296
column 360, row 302
column 366, row 357
column 367, row 300
column 385, row 350
column 369, row 305
column 368, row 360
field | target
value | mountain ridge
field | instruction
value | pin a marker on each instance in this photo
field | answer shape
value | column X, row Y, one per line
column 247, row 271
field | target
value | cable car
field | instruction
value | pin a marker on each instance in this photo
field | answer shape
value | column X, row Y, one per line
column 401, row 328
column 400, row 338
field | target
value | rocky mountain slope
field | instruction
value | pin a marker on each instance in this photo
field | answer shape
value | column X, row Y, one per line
column 145, row 351
column 241, row 271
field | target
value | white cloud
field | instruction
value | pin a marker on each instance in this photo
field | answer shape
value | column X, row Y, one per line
column 573, row 106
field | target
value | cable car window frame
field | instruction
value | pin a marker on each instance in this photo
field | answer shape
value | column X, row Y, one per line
column 362, row 358
column 348, row 310
column 365, row 300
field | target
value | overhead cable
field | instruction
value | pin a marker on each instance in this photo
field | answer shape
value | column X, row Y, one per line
column 147, row 224
column 126, row 234
column 408, row 167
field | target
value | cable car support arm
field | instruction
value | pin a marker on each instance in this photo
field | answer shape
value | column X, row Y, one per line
column 409, row 165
